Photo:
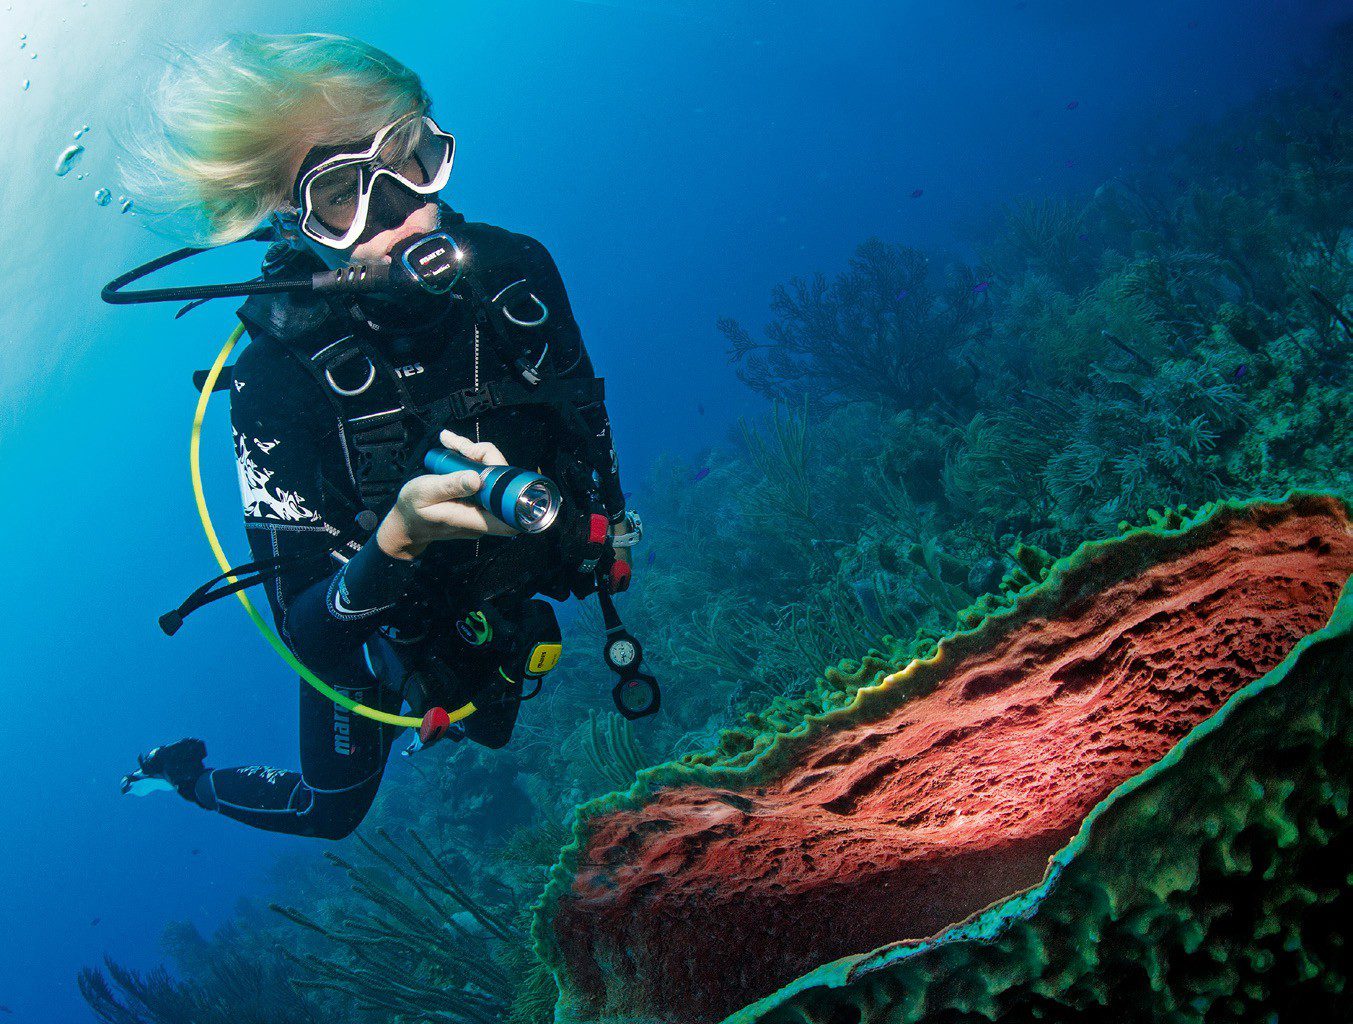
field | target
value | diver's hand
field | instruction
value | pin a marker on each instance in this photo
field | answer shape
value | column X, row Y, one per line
column 433, row 507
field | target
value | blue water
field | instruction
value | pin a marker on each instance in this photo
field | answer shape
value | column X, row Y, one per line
column 680, row 158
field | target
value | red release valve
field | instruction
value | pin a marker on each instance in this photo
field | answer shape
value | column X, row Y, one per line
column 619, row 577
column 598, row 529
column 435, row 723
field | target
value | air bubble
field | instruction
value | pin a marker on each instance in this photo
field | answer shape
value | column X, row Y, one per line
column 67, row 160
column 103, row 197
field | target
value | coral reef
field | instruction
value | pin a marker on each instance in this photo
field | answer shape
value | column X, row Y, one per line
column 612, row 751
column 232, row 983
column 423, row 947
column 887, row 330
column 948, row 785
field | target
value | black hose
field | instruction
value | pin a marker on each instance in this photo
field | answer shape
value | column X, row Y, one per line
column 113, row 291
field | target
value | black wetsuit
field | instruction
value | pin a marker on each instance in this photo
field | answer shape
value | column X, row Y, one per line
column 359, row 619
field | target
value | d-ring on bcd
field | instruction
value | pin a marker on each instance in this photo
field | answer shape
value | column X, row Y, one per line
column 353, row 393
column 544, row 309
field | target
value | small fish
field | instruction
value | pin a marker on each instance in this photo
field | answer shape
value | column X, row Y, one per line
column 1073, row 104
column 1194, row 23
column 980, row 287
column 700, row 474
column 1083, row 237
column 1238, row 149
column 5, row 1009
column 902, row 293
column 917, row 193
column 1068, row 163
column 194, row 851
column 700, row 408
column 651, row 555
column 95, row 921
column 1240, row 372
column 628, row 495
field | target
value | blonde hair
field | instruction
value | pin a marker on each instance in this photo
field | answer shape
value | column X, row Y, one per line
column 226, row 124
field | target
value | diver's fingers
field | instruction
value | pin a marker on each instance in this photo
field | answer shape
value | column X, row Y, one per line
column 456, row 442
column 481, row 451
column 422, row 491
column 437, row 488
column 487, row 452
column 471, row 520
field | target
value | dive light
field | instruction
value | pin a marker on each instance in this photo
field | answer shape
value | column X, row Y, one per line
column 525, row 501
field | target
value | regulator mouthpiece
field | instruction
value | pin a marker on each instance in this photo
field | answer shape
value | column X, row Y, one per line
column 525, row 501
column 431, row 263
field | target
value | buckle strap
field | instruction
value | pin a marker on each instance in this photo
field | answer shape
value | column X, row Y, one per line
column 381, row 442
column 468, row 403
column 471, row 402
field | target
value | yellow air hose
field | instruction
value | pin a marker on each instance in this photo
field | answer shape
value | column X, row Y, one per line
column 284, row 652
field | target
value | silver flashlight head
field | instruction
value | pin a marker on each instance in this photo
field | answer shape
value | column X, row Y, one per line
column 537, row 506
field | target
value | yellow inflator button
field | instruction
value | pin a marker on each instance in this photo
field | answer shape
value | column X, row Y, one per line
column 543, row 658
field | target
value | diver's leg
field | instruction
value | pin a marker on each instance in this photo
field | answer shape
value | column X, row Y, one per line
column 342, row 760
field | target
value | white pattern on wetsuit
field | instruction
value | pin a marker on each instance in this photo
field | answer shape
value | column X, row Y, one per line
column 261, row 502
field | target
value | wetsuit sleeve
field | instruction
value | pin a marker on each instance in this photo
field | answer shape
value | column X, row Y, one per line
column 334, row 590
column 571, row 360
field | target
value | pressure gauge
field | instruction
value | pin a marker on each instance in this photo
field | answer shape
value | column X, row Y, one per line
column 621, row 652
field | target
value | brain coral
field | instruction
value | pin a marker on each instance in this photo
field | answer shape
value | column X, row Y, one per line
column 1123, row 797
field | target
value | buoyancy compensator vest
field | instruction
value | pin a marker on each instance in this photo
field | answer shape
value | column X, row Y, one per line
column 523, row 363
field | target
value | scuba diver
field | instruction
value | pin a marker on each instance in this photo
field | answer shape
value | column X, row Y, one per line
column 402, row 363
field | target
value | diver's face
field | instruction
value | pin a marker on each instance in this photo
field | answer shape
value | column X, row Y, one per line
column 393, row 212
column 377, row 248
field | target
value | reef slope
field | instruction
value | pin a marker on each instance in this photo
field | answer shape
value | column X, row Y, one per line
column 946, row 788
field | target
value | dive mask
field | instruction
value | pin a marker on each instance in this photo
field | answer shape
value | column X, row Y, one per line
column 334, row 191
